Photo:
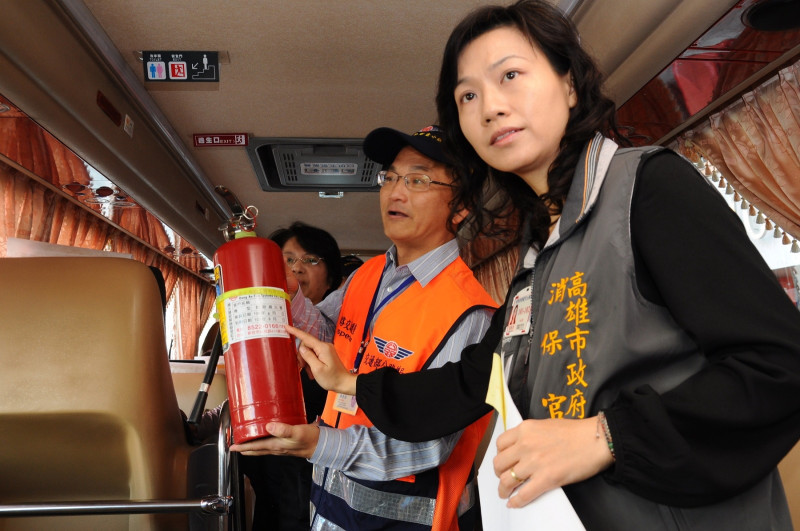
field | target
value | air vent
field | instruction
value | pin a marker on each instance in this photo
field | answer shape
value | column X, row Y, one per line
column 312, row 164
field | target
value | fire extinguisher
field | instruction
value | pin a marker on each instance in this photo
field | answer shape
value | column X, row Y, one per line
column 253, row 307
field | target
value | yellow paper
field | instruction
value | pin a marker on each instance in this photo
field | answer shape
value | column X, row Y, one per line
column 495, row 396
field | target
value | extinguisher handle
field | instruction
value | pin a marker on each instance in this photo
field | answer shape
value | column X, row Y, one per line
column 202, row 395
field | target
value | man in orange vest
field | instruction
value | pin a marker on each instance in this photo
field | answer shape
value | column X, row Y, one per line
column 415, row 307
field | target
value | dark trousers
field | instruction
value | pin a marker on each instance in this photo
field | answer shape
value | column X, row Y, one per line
column 282, row 487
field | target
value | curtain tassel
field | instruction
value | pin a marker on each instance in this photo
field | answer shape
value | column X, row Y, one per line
column 777, row 233
column 736, row 197
column 786, row 240
column 795, row 247
column 767, row 224
column 760, row 220
column 745, row 204
column 721, row 183
column 729, row 189
column 752, row 211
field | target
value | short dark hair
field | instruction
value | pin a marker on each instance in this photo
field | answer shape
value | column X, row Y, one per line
column 316, row 241
column 350, row 263
column 546, row 27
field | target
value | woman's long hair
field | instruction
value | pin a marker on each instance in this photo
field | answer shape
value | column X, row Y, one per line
column 546, row 27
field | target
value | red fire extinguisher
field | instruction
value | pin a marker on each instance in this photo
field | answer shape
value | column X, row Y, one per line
column 253, row 307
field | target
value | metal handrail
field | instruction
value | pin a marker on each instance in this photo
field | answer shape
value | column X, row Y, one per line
column 215, row 504
column 224, row 479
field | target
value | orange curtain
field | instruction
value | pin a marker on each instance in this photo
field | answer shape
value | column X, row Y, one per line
column 755, row 143
column 32, row 212
column 141, row 224
column 197, row 299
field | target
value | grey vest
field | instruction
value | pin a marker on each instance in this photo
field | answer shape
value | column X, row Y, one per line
column 593, row 335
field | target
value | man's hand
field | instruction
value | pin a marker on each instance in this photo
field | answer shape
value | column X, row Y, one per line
column 300, row 441
column 324, row 363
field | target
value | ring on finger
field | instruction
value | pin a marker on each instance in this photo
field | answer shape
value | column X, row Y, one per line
column 515, row 476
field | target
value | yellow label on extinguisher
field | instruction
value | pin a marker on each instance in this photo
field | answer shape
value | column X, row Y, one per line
column 252, row 313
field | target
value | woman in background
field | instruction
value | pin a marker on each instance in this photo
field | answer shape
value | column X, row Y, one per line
column 312, row 256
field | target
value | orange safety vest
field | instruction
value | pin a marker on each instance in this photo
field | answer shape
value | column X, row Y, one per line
column 407, row 335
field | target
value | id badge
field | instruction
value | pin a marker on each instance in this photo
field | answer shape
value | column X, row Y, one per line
column 519, row 322
column 345, row 404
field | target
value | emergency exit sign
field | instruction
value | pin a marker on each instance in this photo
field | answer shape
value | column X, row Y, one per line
column 180, row 66
column 220, row 139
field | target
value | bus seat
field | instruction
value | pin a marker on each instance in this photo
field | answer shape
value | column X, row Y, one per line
column 187, row 385
column 87, row 405
column 789, row 469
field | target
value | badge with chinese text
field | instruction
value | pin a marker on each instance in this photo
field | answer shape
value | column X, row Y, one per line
column 345, row 404
column 519, row 322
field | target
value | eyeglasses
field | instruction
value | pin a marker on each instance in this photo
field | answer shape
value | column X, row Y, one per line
column 306, row 260
column 416, row 182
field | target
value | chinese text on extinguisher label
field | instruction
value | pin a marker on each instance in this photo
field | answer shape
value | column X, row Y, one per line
column 253, row 313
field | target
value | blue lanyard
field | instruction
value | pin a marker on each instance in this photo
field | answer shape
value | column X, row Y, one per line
column 373, row 311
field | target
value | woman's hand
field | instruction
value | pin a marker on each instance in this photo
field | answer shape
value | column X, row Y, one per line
column 324, row 363
column 546, row 454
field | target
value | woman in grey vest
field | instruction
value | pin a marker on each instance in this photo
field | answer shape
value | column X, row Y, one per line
column 651, row 348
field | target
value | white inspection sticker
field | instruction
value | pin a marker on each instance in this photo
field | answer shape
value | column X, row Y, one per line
column 255, row 315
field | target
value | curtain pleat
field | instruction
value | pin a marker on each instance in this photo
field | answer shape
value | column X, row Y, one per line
column 755, row 143
column 196, row 305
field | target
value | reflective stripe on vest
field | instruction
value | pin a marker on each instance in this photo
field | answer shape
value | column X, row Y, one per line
column 468, row 497
column 416, row 509
column 319, row 523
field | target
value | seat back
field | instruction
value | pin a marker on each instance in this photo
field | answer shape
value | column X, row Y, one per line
column 789, row 469
column 87, row 405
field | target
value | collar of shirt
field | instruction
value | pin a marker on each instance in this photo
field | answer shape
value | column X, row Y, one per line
column 426, row 267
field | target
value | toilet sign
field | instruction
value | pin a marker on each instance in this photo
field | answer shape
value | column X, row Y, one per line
column 180, row 66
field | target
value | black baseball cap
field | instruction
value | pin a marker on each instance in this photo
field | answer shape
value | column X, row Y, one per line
column 383, row 144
